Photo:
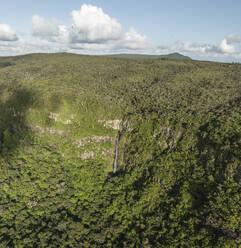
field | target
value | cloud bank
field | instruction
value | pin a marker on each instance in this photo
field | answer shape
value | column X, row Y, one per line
column 229, row 47
column 93, row 31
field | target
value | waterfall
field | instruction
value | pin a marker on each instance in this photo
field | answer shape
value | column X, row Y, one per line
column 116, row 152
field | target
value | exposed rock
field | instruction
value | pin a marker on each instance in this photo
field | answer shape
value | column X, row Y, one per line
column 107, row 152
column 81, row 142
column 117, row 124
column 127, row 126
column 100, row 139
column 45, row 129
column 67, row 122
column 54, row 131
column 114, row 124
column 87, row 155
column 60, row 187
column 93, row 139
column 32, row 204
column 56, row 118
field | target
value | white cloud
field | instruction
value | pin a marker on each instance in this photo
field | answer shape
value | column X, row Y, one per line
column 162, row 48
column 49, row 30
column 43, row 28
column 6, row 33
column 134, row 40
column 91, row 30
column 202, row 49
column 92, row 25
column 229, row 48
column 28, row 46
column 225, row 47
column 93, row 46
column 233, row 38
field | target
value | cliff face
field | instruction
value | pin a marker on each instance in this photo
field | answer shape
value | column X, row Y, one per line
column 177, row 179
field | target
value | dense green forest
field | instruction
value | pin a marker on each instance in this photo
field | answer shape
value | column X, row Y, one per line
column 177, row 125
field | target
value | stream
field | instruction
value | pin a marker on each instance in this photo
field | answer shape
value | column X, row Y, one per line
column 116, row 152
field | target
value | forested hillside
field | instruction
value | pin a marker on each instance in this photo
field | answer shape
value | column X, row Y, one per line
column 175, row 56
column 177, row 127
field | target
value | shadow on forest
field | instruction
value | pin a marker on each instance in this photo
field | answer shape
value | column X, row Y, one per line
column 13, row 110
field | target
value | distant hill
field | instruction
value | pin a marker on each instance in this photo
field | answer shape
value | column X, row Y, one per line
column 174, row 56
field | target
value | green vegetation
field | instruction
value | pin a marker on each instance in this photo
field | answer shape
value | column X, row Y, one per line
column 175, row 56
column 178, row 181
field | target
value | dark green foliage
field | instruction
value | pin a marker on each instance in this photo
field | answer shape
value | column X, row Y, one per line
column 5, row 64
column 179, row 173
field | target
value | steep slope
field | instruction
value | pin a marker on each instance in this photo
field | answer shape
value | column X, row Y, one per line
column 177, row 126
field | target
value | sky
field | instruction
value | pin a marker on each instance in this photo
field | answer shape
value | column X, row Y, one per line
column 201, row 29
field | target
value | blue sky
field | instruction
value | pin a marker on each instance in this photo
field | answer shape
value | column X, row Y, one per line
column 201, row 29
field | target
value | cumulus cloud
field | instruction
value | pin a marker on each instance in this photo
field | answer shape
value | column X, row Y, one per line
column 94, row 31
column 50, row 30
column 91, row 29
column 134, row 40
column 43, row 28
column 131, row 40
column 92, row 25
column 7, row 34
column 226, row 47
